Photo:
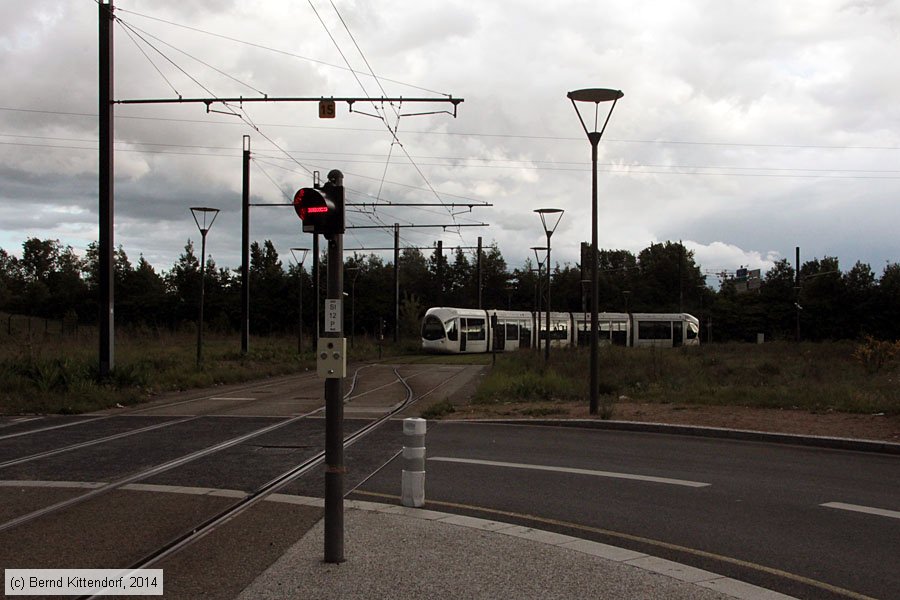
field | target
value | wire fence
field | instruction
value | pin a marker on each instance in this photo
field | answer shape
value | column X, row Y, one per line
column 22, row 326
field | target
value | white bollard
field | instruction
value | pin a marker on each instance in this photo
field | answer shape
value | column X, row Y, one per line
column 412, row 483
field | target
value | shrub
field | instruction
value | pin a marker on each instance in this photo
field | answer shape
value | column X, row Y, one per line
column 875, row 354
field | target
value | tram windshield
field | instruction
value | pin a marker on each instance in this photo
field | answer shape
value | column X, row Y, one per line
column 692, row 331
column 432, row 329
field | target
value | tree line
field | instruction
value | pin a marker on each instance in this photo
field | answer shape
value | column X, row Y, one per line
column 51, row 281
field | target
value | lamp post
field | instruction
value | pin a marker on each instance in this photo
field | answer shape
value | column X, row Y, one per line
column 301, row 252
column 537, row 292
column 207, row 216
column 595, row 95
column 550, row 218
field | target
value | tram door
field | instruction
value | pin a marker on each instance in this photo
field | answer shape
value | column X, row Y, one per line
column 524, row 334
column 462, row 334
column 499, row 334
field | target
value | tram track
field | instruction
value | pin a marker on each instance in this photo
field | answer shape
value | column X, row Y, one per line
column 152, row 471
column 141, row 430
column 256, row 496
column 144, row 546
column 153, row 407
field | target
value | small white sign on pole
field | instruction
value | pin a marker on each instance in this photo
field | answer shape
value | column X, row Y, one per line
column 334, row 315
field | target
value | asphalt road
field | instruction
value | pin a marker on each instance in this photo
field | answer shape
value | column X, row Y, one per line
column 753, row 511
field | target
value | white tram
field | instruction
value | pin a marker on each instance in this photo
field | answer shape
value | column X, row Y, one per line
column 469, row 330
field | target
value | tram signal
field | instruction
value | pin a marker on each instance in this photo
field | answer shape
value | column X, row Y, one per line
column 321, row 210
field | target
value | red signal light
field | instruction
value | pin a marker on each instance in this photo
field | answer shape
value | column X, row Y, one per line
column 317, row 210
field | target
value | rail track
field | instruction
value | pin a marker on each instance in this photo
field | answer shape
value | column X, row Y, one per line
column 95, row 497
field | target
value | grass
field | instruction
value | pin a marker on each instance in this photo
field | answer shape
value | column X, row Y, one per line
column 44, row 372
column 438, row 410
column 814, row 377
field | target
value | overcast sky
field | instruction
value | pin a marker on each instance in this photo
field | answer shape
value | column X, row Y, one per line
column 746, row 128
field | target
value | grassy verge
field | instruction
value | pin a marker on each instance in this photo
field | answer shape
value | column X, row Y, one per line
column 814, row 377
column 45, row 373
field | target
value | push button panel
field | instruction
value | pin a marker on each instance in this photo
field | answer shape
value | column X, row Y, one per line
column 331, row 358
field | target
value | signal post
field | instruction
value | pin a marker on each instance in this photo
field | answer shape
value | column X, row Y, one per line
column 322, row 212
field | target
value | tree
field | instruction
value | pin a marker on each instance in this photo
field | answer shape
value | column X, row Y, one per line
column 821, row 296
column 778, row 295
column 494, row 279
column 142, row 295
column 183, row 286
column 460, row 290
column 415, row 279
column 888, row 303
column 668, row 275
column 271, row 303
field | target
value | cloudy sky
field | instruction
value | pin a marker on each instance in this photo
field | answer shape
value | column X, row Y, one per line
column 746, row 128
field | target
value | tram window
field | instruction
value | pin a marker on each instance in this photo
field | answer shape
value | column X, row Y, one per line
column 525, row 332
column 692, row 331
column 452, row 331
column 475, row 329
column 560, row 331
column 512, row 331
column 432, row 329
column 655, row 330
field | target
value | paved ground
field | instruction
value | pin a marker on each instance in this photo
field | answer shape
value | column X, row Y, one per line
column 422, row 554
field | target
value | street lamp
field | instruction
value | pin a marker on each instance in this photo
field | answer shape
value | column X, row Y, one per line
column 537, row 291
column 595, row 95
column 207, row 216
column 550, row 218
column 301, row 252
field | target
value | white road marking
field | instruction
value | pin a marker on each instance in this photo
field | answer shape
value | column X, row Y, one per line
column 631, row 476
column 230, row 398
column 881, row 512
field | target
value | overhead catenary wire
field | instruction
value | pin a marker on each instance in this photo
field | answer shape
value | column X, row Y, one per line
column 393, row 132
column 270, row 49
column 465, row 134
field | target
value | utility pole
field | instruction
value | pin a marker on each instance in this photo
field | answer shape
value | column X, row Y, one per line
column 440, row 270
column 106, row 198
column 797, row 291
column 396, row 282
column 315, row 274
column 245, row 248
column 478, row 271
column 334, row 395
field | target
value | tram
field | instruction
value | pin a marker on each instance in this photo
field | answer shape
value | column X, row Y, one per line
column 467, row 330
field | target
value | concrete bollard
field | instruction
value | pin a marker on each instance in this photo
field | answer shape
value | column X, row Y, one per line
column 412, row 483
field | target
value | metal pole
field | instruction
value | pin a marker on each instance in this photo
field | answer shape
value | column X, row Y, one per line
column 300, row 314
column 202, row 297
column 316, row 293
column 353, row 308
column 797, row 287
column 478, row 272
column 594, row 138
column 547, row 345
column 334, row 412
column 245, row 249
column 396, row 282
column 440, row 272
column 106, row 194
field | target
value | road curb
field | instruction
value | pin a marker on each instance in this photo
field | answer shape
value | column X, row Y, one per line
column 835, row 443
